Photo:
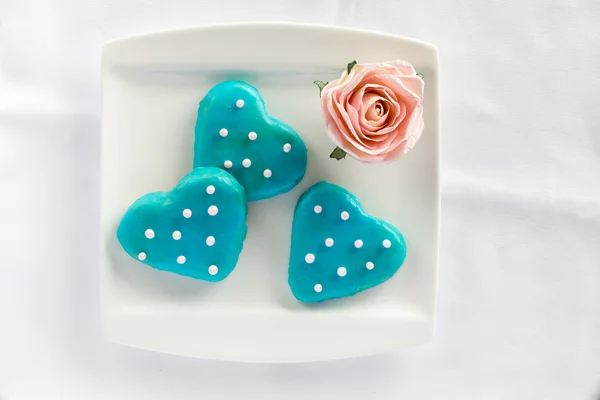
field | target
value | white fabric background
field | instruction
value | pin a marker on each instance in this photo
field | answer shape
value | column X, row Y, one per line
column 519, row 290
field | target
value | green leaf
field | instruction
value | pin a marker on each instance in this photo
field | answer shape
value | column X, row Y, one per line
column 351, row 65
column 420, row 75
column 321, row 85
column 338, row 154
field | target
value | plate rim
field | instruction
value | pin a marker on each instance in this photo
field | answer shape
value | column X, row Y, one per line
column 265, row 24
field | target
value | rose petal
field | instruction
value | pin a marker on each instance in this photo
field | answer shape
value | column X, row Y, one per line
column 353, row 118
column 365, row 143
column 398, row 86
column 344, row 124
column 372, row 94
column 370, row 97
column 398, row 114
column 377, row 112
column 409, row 127
column 356, row 100
column 372, row 129
column 388, row 95
column 365, row 135
column 359, row 77
column 415, row 130
column 372, row 120
column 338, row 128
column 402, row 66
column 415, row 84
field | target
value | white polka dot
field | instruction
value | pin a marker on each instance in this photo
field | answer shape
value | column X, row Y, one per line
column 213, row 269
column 341, row 271
column 387, row 244
column 358, row 243
column 142, row 256
column 180, row 259
column 318, row 209
column 210, row 189
column 344, row 215
column 318, row 288
column 309, row 258
column 252, row 136
column 329, row 242
column 228, row 164
column 246, row 163
column 267, row 173
column 212, row 211
column 223, row 132
column 370, row 265
column 239, row 103
column 210, row 240
column 287, row 147
column 187, row 213
column 176, row 235
column 149, row 233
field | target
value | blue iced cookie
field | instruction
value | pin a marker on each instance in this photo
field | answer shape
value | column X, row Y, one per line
column 234, row 132
column 337, row 249
column 196, row 230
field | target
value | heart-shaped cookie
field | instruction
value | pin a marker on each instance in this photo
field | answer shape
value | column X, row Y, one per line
column 196, row 230
column 337, row 249
column 235, row 132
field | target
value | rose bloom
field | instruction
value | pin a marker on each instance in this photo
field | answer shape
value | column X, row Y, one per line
column 375, row 113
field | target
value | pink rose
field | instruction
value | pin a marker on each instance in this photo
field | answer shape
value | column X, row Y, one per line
column 375, row 113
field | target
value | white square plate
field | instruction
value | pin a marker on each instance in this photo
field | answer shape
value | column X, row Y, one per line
column 152, row 85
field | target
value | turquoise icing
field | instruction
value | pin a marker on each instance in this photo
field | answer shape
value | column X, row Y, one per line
column 167, row 213
column 219, row 110
column 310, row 231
